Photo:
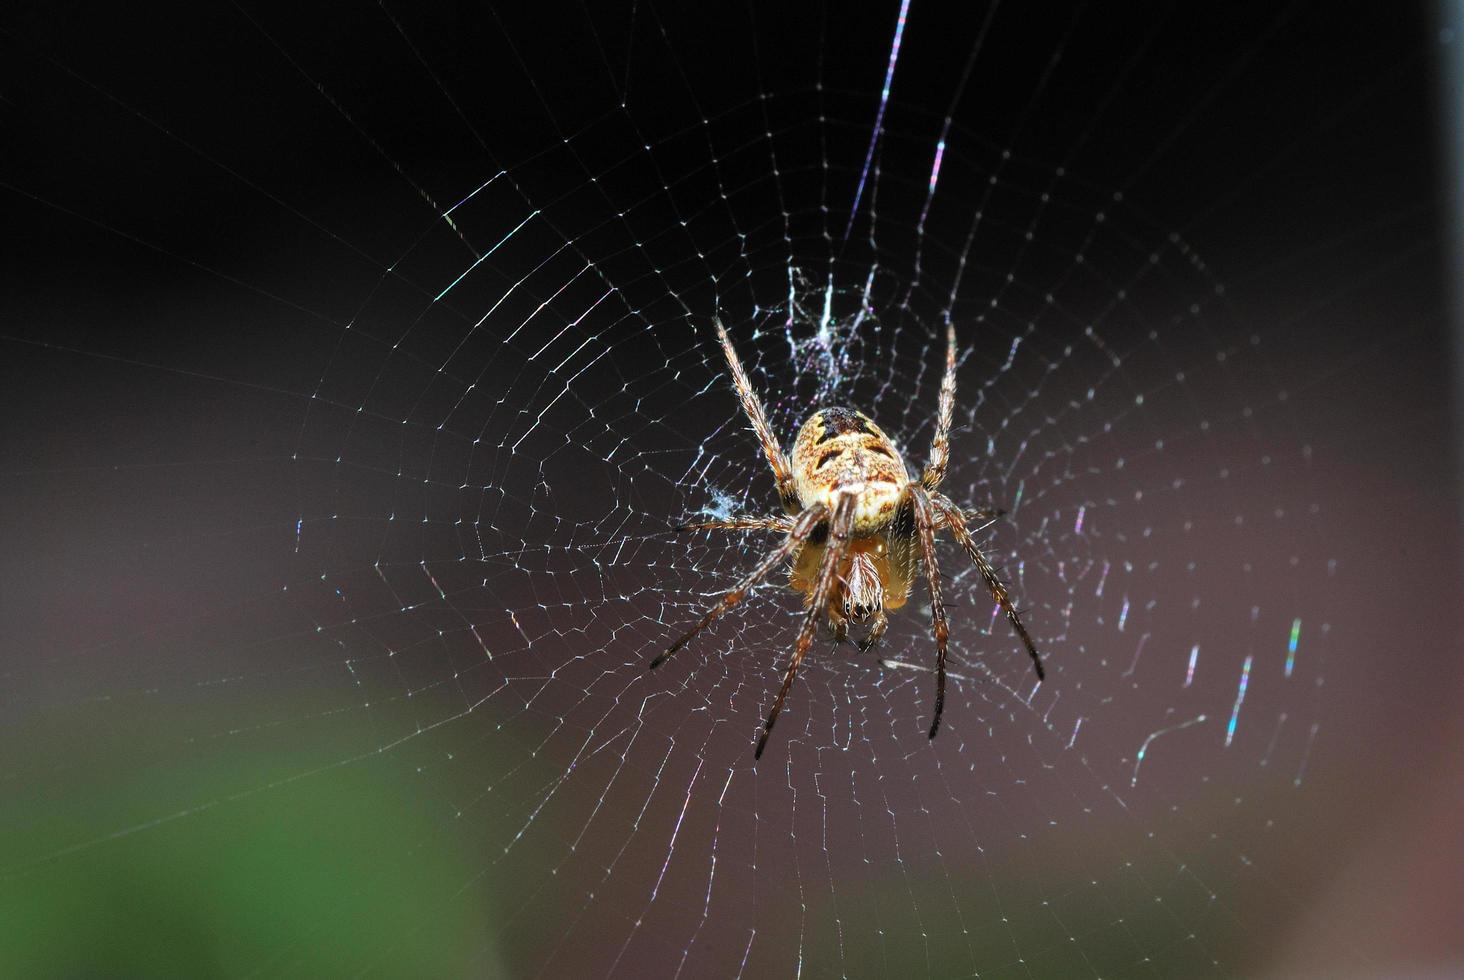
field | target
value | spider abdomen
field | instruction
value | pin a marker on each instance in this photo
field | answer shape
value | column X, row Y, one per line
column 840, row 452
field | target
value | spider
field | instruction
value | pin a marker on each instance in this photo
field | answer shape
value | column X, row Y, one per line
column 855, row 519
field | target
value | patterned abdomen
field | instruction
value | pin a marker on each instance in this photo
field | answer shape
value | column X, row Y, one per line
column 840, row 451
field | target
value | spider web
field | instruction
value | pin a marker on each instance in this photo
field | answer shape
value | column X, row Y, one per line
column 423, row 552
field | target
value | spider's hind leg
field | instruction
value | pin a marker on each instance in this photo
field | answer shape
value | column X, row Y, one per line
column 924, row 513
column 840, row 528
column 994, row 584
column 807, row 522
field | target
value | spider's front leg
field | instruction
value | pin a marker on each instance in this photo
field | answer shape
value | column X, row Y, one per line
column 753, row 409
column 940, row 446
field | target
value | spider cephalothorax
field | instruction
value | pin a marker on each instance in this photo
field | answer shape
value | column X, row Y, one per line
column 857, row 523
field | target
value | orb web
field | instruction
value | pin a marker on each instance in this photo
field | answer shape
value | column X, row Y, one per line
column 504, row 408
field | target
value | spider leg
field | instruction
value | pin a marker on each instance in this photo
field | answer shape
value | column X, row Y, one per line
column 752, row 405
column 925, row 525
column 940, row 446
column 840, row 528
column 994, row 583
column 741, row 523
column 799, row 533
column 976, row 515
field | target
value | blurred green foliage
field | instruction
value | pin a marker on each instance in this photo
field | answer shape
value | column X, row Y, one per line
column 155, row 856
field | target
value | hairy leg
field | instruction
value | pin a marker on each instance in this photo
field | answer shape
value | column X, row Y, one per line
column 994, row 583
column 940, row 446
column 802, row 528
column 752, row 405
column 740, row 523
column 840, row 529
column 976, row 515
column 925, row 527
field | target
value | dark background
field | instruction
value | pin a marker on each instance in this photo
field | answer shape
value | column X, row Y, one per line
column 199, row 206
